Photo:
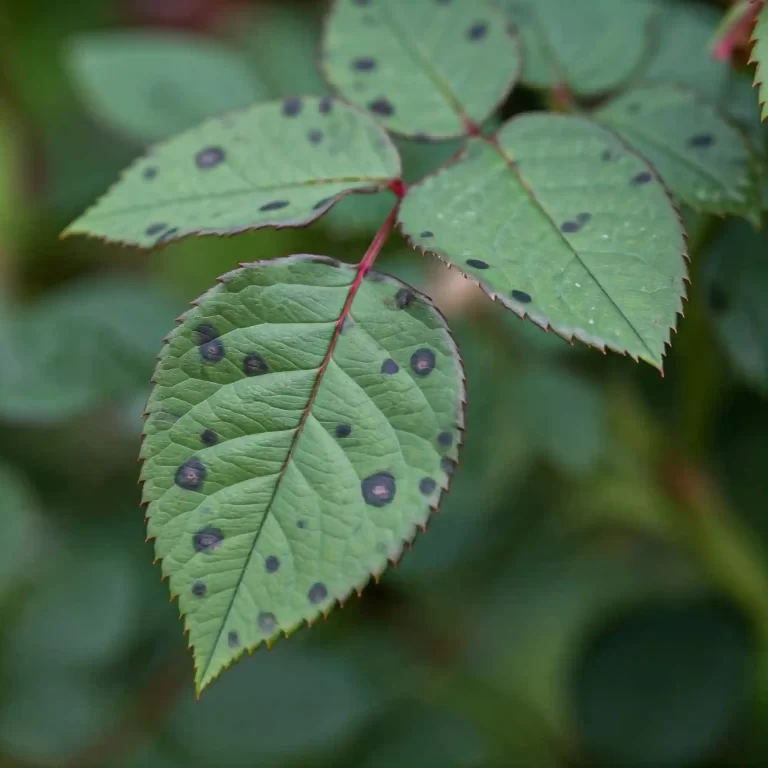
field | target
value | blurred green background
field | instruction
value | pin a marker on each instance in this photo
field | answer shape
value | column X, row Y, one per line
column 593, row 592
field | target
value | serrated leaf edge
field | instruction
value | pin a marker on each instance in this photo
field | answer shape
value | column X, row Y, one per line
column 759, row 80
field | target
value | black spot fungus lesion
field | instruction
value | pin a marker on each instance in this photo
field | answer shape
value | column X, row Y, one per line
column 423, row 361
column 191, row 474
column 210, row 157
column 207, row 540
column 254, row 364
column 378, row 490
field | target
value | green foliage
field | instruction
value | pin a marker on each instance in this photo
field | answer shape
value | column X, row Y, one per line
column 760, row 57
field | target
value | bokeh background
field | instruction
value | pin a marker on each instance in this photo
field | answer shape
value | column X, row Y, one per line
column 593, row 592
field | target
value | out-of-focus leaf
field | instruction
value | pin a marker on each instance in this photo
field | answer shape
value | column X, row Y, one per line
column 563, row 47
column 422, row 67
column 736, row 279
column 298, row 440
column 704, row 160
column 664, row 684
column 600, row 260
column 280, row 164
column 89, row 342
column 288, row 703
column 736, row 23
column 760, row 57
column 150, row 85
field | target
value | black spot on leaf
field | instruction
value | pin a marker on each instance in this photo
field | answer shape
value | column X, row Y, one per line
column 149, row 173
column 477, row 264
column 521, row 296
column 382, row 106
column 427, row 485
column 343, row 430
column 445, row 439
column 213, row 352
column 641, row 178
column 315, row 136
column 448, row 465
column 607, row 155
column 718, row 300
column 209, row 437
column 477, row 31
column 317, row 593
column 233, row 640
column 266, row 622
column 155, row 229
column 570, row 226
column 423, row 361
column 199, row 589
column 206, row 333
column 701, row 140
column 275, row 205
column 191, row 474
column 379, row 489
column 326, row 105
column 301, row 523
column 426, row 233
column 272, row 564
column 166, row 236
column 389, row 366
column 209, row 157
column 292, row 106
column 403, row 298
column 254, row 364
column 364, row 64
column 207, row 540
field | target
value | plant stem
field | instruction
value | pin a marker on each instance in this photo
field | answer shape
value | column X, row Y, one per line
column 366, row 263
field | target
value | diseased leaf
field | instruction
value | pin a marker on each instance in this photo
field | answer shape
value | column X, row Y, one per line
column 280, row 164
column 760, row 57
column 702, row 158
column 421, row 67
column 563, row 223
column 563, row 47
column 150, row 85
column 287, row 462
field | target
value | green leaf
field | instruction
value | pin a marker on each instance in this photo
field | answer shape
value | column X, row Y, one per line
column 562, row 223
column 760, row 57
column 280, row 164
column 703, row 159
column 420, row 66
column 563, row 46
column 286, row 463
column 150, row 85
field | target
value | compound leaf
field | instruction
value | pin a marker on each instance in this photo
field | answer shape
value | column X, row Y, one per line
column 422, row 67
column 150, row 85
column 561, row 222
column 760, row 57
column 287, row 462
column 563, row 47
column 280, row 164
column 702, row 158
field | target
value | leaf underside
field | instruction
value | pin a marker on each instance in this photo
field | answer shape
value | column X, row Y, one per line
column 701, row 157
column 277, row 484
column 565, row 43
column 420, row 65
column 276, row 164
column 760, row 57
column 561, row 222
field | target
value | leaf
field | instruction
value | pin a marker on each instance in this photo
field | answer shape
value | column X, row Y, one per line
column 734, row 26
column 736, row 282
column 150, row 85
column 760, row 58
column 421, row 67
column 562, row 223
column 563, row 45
column 705, row 161
column 286, row 463
column 280, row 164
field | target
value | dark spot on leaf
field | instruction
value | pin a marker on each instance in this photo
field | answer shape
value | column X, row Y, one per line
column 642, row 178
column 426, row 233
column 301, row 524
column 718, row 301
column 191, row 474
column 427, row 485
column 315, row 136
column 149, row 173
column 321, row 203
column 445, row 439
column 701, row 140
column 213, row 351
column 423, row 361
column 477, row 264
column 389, row 366
column 477, row 31
column 343, row 430
column 275, row 205
column 209, row 157
column 166, row 236
column 379, row 489
column 583, row 218
column 209, row 437
column 199, row 589
column 570, row 226
column 272, row 563
column 292, row 106
column 326, row 105
column 207, row 540
column 155, row 229
column 233, row 640
column 267, row 622
column 521, row 296
column 403, row 298
column 448, row 465
column 382, row 106
column 254, row 364
column 206, row 333
column 364, row 64
column 317, row 593
column 607, row 155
